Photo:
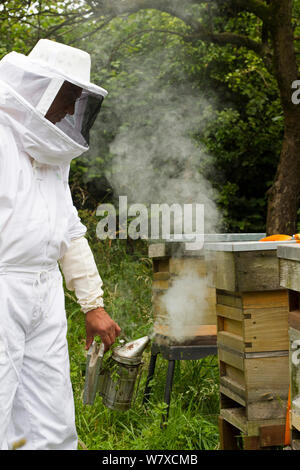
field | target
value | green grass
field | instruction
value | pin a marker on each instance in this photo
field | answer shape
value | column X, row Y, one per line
column 127, row 275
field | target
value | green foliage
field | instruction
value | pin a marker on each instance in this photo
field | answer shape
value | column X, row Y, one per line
column 245, row 130
column 23, row 23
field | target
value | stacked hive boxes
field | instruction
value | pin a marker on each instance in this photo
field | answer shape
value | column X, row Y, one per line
column 252, row 336
column 289, row 268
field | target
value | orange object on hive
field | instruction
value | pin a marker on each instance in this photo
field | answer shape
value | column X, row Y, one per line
column 277, row 237
column 287, row 434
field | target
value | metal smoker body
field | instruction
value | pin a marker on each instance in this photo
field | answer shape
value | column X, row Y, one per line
column 115, row 382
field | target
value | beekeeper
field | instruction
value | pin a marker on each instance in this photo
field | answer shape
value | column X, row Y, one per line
column 47, row 107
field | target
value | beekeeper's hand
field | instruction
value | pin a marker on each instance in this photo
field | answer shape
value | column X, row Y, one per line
column 99, row 323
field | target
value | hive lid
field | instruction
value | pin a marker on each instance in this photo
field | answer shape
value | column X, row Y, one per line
column 291, row 252
column 211, row 237
column 247, row 245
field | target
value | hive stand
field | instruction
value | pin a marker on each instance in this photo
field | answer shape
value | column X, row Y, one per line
column 171, row 261
column 173, row 353
column 289, row 269
column 252, row 338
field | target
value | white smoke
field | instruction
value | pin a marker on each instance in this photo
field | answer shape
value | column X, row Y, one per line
column 155, row 158
column 186, row 305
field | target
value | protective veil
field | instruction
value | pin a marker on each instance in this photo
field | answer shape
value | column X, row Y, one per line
column 39, row 226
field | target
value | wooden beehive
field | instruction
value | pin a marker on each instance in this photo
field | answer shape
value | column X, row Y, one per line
column 172, row 261
column 289, row 270
column 252, row 338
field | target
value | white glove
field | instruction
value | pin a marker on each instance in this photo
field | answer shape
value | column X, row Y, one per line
column 81, row 274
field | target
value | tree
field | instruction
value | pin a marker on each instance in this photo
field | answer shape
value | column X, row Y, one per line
column 276, row 47
column 23, row 23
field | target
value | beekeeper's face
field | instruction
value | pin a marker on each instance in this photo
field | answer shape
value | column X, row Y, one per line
column 64, row 103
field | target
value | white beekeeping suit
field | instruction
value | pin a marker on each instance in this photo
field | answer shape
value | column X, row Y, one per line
column 39, row 226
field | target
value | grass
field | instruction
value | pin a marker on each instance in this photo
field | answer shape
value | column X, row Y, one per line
column 127, row 275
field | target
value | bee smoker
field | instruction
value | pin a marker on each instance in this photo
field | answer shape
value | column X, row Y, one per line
column 115, row 382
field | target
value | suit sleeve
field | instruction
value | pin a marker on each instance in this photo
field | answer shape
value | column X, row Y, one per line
column 78, row 264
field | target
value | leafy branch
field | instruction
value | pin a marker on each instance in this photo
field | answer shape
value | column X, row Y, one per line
column 197, row 30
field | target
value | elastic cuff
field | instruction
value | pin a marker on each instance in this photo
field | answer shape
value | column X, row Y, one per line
column 88, row 306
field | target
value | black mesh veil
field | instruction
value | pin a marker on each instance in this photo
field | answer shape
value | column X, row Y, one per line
column 78, row 125
column 93, row 108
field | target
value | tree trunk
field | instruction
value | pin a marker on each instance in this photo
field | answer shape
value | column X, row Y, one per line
column 284, row 195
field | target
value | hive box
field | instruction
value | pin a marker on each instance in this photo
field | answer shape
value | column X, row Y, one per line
column 172, row 264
